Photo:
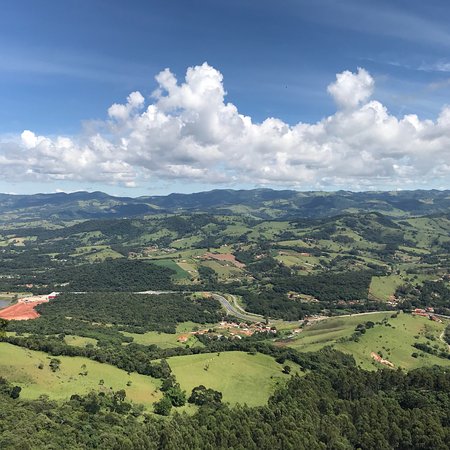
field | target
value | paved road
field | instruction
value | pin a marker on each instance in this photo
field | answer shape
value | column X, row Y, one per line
column 234, row 310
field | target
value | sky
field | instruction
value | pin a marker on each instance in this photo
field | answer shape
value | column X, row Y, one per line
column 152, row 97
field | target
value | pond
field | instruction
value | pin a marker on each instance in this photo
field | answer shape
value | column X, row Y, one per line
column 4, row 303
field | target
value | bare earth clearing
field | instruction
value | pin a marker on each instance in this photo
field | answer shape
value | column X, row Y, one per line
column 24, row 308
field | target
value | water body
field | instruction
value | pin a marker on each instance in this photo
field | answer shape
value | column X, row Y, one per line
column 4, row 303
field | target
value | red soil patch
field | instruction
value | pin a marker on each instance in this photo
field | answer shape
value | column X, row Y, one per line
column 225, row 257
column 23, row 310
column 379, row 359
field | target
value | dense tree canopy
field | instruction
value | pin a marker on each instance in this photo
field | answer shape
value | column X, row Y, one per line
column 338, row 407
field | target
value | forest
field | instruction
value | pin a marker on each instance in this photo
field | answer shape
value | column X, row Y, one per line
column 335, row 406
column 132, row 312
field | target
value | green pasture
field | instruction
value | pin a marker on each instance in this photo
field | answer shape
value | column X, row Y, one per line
column 185, row 327
column 21, row 366
column 185, row 243
column 328, row 331
column 180, row 274
column 162, row 340
column 224, row 269
column 395, row 340
column 381, row 288
column 79, row 341
column 96, row 252
column 242, row 378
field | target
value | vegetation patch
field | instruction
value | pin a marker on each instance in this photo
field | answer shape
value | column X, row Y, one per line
column 134, row 312
column 240, row 377
column 31, row 370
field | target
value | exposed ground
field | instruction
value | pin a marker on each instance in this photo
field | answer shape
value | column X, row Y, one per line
column 225, row 257
column 24, row 309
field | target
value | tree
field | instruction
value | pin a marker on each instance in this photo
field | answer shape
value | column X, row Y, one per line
column 92, row 404
column 176, row 396
column 15, row 392
column 55, row 364
column 3, row 325
column 163, row 407
column 201, row 396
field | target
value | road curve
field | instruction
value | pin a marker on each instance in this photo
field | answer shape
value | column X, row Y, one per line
column 231, row 309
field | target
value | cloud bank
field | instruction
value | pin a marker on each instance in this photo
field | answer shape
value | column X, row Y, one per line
column 189, row 132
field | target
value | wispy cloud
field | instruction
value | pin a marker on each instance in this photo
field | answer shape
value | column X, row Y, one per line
column 88, row 66
column 438, row 66
column 382, row 18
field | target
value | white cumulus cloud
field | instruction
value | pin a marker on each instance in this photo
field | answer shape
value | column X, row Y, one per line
column 351, row 89
column 189, row 131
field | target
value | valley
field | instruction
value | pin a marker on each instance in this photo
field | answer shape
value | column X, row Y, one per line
column 160, row 314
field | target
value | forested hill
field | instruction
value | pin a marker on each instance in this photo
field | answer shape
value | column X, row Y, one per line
column 261, row 203
column 338, row 407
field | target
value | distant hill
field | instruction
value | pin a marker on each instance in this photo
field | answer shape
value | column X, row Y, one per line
column 258, row 203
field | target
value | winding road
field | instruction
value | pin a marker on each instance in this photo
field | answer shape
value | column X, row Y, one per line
column 235, row 310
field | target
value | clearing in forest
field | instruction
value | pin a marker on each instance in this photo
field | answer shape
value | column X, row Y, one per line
column 241, row 377
column 76, row 375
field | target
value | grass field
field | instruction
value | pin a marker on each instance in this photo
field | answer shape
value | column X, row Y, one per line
column 163, row 340
column 20, row 366
column 192, row 326
column 395, row 341
column 242, row 378
column 381, row 288
column 78, row 341
column 328, row 331
column 96, row 252
column 185, row 242
column 224, row 269
column 180, row 274
column 188, row 266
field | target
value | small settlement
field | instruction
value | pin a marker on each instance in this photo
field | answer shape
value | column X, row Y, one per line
column 230, row 330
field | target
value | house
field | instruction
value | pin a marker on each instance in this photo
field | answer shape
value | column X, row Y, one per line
column 420, row 312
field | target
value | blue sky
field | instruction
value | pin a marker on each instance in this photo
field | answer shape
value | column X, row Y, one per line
column 63, row 64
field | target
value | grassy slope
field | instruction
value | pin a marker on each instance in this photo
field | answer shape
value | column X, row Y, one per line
column 78, row 341
column 180, row 274
column 20, row 366
column 395, row 342
column 242, row 378
column 162, row 340
column 382, row 288
column 327, row 332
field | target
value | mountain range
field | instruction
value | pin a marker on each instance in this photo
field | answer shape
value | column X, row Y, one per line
column 258, row 203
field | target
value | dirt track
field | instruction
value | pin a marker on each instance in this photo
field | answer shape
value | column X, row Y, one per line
column 24, row 309
column 228, row 257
